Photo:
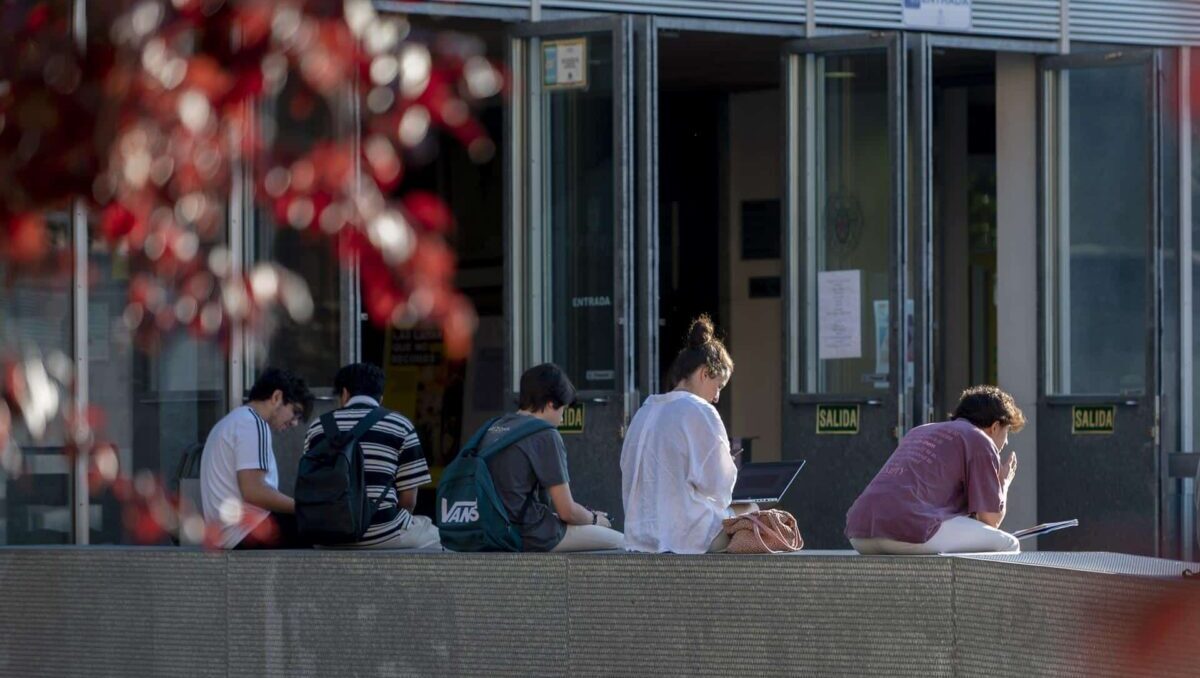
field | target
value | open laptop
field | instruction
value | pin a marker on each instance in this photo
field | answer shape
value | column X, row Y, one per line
column 765, row 483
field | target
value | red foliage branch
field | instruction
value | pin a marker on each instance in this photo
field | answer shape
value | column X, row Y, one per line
column 146, row 121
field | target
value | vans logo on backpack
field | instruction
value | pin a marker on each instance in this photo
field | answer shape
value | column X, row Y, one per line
column 460, row 512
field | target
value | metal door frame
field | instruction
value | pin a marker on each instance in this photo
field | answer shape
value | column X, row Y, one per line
column 921, row 46
column 528, row 310
column 800, row 211
column 1054, row 172
column 1053, row 211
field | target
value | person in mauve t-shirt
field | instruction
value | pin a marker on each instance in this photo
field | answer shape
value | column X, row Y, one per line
column 944, row 488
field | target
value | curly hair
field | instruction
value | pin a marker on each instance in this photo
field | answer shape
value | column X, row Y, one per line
column 986, row 405
column 295, row 391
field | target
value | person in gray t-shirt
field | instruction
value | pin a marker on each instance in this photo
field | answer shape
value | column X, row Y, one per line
column 531, row 474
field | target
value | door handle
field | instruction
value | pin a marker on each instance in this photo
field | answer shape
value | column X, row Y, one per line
column 873, row 402
column 601, row 400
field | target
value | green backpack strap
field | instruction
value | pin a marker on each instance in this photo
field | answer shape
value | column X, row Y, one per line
column 472, row 446
column 516, row 435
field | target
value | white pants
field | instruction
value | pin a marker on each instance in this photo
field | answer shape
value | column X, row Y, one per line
column 421, row 533
column 590, row 538
column 957, row 535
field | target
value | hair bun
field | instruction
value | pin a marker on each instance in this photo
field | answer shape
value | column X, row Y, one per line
column 701, row 332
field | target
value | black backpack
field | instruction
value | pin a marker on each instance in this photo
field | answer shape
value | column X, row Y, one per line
column 332, row 506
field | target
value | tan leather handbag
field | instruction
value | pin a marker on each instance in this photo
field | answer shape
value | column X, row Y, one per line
column 770, row 531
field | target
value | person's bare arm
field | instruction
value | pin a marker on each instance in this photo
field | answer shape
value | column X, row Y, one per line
column 1008, row 470
column 572, row 513
column 408, row 499
column 252, row 483
column 992, row 519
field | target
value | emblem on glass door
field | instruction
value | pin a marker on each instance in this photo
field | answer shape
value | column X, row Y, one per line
column 845, row 222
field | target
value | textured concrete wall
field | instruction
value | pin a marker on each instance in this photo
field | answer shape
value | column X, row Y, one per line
column 722, row 616
column 163, row 612
column 110, row 612
column 376, row 614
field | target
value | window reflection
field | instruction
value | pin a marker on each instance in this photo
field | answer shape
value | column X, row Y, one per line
column 311, row 349
column 36, row 319
column 578, row 215
column 848, row 325
column 1101, row 304
column 156, row 402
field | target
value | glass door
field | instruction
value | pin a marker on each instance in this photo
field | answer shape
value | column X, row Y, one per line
column 1098, row 414
column 570, row 228
column 847, row 306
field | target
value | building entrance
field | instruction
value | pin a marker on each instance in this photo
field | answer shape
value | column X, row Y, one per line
column 984, row 242
column 965, row 234
column 719, row 216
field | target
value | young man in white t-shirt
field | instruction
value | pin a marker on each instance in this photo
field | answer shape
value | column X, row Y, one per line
column 239, row 479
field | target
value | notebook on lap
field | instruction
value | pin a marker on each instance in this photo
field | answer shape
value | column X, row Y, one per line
column 765, row 483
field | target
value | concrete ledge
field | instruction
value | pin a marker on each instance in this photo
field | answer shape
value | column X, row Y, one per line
column 109, row 611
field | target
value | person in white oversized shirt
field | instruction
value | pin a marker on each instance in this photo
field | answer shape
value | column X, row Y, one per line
column 677, row 474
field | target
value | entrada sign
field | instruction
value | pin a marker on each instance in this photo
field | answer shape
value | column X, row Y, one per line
column 572, row 419
column 837, row 420
column 1093, row 419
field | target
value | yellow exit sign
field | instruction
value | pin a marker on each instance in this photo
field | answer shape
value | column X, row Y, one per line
column 837, row 419
column 572, row 419
column 1093, row 419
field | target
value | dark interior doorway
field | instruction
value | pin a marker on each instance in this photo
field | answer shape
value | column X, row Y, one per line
column 965, row 232
column 719, row 184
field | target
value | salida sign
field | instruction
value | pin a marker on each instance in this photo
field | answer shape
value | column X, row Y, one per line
column 837, row 419
column 1093, row 419
column 572, row 419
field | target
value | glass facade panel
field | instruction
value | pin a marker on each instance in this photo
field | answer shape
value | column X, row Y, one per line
column 312, row 349
column 849, row 271
column 157, row 401
column 1100, row 305
column 1194, row 259
column 577, row 214
column 36, row 318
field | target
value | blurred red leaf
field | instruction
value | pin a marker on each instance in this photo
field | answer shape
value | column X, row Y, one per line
column 429, row 211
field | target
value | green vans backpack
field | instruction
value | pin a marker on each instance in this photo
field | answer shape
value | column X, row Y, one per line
column 471, row 515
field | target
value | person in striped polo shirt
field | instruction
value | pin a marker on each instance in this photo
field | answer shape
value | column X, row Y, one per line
column 394, row 463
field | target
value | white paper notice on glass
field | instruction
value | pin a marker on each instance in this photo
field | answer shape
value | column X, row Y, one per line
column 883, row 351
column 839, row 314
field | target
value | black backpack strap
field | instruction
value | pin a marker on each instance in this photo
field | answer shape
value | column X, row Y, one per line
column 370, row 419
column 365, row 424
column 329, row 427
